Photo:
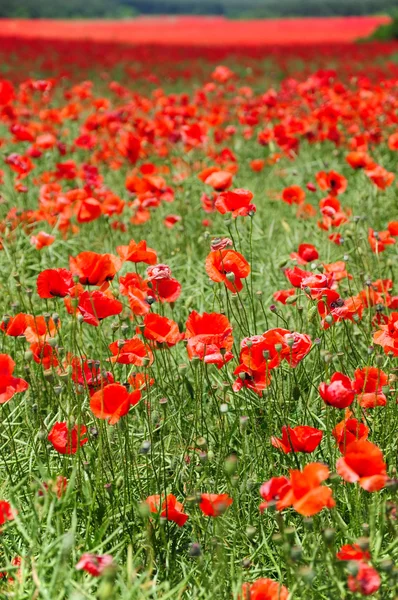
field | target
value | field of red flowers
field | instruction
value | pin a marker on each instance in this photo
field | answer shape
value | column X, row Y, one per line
column 198, row 371
column 199, row 31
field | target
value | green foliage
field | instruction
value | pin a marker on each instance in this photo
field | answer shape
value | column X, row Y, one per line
column 388, row 31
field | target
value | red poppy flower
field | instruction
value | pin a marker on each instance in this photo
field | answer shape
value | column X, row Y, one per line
column 349, row 430
column 352, row 552
column 6, row 512
column 257, row 381
column 131, row 352
column 380, row 177
column 332, row 182
column 293, row 195
column 161, row 330
column 301, row 438
column 9, row 385
column 339, row 392
column 238, row 202
column 169, row 509
column 273, row 490
column 137, row 252
column 93, row 268
column 393, row 228
column 40, row 328
column 44, row 354
column 219, row 180
column 264, row 589
column 378, row 240
column 113, row 402
column 368, row 384
column 306, row 253
column 41, row 240
column 360, row 160
column 282, row 295
column 257, row 165
column 53, row 283
column 65, row 440
column 57, row 486
column 367, row 581
column 7, row 92
column 88, row 210
column 209, row 337
column 88, row 372
column 363, row 463
column 171, row 220
column 95, row 564
column 387, row 335
column 229, row 267
column 15, row 326
column 166, row 290
column 95, row 306
column 306, row 494
column 214, row 505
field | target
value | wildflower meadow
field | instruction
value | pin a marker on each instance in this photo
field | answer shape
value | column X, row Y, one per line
column 199, row 330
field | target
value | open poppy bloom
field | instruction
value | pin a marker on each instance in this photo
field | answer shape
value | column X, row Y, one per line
column 137, row 252
column 6, row 512
column 257, row 381
column 9, row 385
column 95, row 564
column 93, row 268
column 387, row 335
column 293, row 195
column 65, row 440
column 273, row 490
column 331, row 182
column 229, row 267
column 54, row 283
column 161, row 330
column 40, row 328
column 169, row 509
column 95, row 306
column 15, row 326
column 301, row 438
column 282, row 295
column 378, row 240
column 366, row 582
column 209, row 337
column 307, row 496
column 353, row 552
column 238, row 202
column 306, row 253
column 214, row 505
column 363, row 463
column 44, row 354
column 41, row 240
column 264, row 589
column 349, row 430
column 339, row 392
column 368, row 384
column 131, row 352
column 113, row 402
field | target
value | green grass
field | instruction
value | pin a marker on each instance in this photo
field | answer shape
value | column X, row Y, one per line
column 205, row 438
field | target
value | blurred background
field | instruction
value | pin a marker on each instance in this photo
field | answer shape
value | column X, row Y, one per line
column 235, row 9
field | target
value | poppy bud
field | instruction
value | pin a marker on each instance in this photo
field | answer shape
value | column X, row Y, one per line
column 308, row 523
column 363, row 543
column 201, row 443
column 80, row 318
column 230, row 276
column 329, row 535
column 119, row 482
column 289, row 341
column 29, row 292
column 296, row 553
column 312, row 311
column 246, row 563
column 307, row 574
column 243, row 421
column 329, row 319
column 58, row 390
column 230, row 464
column 273, row 308
column 28, row 355
column 223, row 408
column 53, row 342
column 278, row 347
column 194, row 550
column 386, row 565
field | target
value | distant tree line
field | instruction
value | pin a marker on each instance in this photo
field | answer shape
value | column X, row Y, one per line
column 230, row 8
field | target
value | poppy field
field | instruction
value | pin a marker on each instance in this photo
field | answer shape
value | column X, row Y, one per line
column 199, row 330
